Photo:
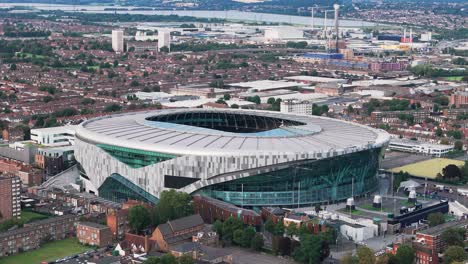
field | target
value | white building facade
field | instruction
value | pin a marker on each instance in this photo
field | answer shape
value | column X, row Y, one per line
column 54, row 136
column 296, row 107
column 118, row 40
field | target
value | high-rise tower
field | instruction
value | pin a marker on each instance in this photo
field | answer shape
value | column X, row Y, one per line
column 117, row 40
column 336, row 7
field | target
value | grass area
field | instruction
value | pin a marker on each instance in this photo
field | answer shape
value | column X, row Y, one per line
column 406, row 203
column 26, row 217
column 48, row 252
column 372, row 208
column 29, row 55
column 353, row 212
column 453, row 78
column 29, row 216
column 428, row 168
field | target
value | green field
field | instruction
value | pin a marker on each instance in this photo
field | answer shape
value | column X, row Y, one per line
column 29, row 55
column 28, row 216
column 453, row 78
column 48, row 252
column 370, row 207
column 428, row 168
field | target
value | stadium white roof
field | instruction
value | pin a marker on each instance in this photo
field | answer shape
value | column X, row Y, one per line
column 315, row 135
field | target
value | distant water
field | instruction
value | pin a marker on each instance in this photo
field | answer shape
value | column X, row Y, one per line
column 229, row 14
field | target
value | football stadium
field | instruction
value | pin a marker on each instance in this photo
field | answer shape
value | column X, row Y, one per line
column 244, row 157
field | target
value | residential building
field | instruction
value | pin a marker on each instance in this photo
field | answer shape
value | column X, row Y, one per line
column 202, row 254
column 177, row 230
column 211, row 209
column 459, row 99
column 428, row 243
column 93, row 234
column 274, row 213
column 118, row 40
column 12, row 134
column 32, row 235
column 10, row 197
column 164, row 39
column 206, row 238
column 295, row 219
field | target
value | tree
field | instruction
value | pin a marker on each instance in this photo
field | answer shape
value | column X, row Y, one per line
column 271, row 100
column 247, row 237
column 221, row 101
column 279, row 229
column 47, row 98
column 454, row 254
column 13, row 67
column 254, row 99
column 112, row 108
column 365, row 255
column 227, row 97
column 229, row 227
column 172, row 205
column 257, row 242
column 405, row 255
column 451, row 171
column 237, row 236
column 135, row 83
column 168, row 259
column 270, row 225
column 453, row 237
column 458, row 145
column 310, row 250
column 439, row 132
column 139, row 218
column 291, row 230
column 235, row 106
column 435, row 219
column 186, row 259
column 349, row 259
column 218, row 228
column 383, row 259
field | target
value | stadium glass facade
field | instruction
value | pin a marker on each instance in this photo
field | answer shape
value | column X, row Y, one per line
column 119, row 189
column 312, row 182
column 135, row 158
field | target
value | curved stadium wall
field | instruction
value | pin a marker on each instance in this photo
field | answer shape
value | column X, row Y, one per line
column 248, row 158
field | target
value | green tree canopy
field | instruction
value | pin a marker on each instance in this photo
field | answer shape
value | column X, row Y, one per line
column 405, row 254
column 454, row 236
column 310, row 250
column 454, row 254
column 435, row 219
column 139, row 218
column 365, row 255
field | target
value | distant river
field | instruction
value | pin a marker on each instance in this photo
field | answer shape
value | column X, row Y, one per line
column 230, row 14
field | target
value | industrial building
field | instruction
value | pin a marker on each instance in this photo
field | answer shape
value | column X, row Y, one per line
column 244, row 157
column 436, row 150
